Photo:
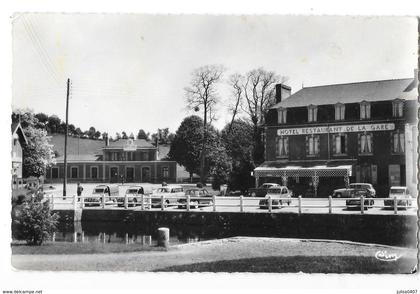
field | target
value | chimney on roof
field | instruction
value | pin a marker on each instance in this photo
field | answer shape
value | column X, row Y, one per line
column 106, row 139
column 282, row 92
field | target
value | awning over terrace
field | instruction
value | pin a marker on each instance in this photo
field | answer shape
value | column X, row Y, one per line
column 300, row 171
column 314, row 171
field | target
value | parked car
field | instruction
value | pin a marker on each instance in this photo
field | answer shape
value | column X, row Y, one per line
column 198, row 197
column 134, row 194
column 356, row 194
column 402, row 194
column 111, row 193
column 276, row 193
column 347, row 192
column 170, row 192
column 261, row 191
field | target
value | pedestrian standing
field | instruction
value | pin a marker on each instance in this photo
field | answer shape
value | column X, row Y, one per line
column 79, row 191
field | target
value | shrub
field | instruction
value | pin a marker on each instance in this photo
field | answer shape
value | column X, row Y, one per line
column 34, row 221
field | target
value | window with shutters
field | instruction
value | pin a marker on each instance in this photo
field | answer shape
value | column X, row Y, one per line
column 364, row 110
column 398, row 142
column 282, row 115
column 340, row 144
column 398, row 108
column 340, row 110
column 312, row 145
column 312, row 113
column 365, row 144
column 282, row 146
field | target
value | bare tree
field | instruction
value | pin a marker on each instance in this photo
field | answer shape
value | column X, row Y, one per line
column 202, row 94
column 259, row 93
column 235, row 81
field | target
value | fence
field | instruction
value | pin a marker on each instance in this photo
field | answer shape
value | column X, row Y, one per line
column 216, row 203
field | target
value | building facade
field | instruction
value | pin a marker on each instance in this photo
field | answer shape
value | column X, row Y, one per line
column 18, row 141
column 325, row 137
column 126, row 161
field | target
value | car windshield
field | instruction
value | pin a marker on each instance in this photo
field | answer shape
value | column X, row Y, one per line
column 163, row 190
column 397, row 191
column 132, row 191
column 99, row 190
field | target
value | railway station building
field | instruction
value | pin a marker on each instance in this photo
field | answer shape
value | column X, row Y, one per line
column 325, row 137
column 128, row 160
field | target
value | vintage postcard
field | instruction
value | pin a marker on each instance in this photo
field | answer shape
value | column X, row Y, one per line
column 214, row 143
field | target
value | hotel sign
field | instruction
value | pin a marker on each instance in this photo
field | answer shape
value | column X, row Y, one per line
column 336, row 129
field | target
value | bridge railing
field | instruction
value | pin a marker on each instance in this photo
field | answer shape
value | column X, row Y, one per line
column 223, row 203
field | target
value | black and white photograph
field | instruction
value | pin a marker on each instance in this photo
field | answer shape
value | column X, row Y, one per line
column 206, row 143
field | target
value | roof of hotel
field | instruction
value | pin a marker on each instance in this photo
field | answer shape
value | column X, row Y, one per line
column 352, row 93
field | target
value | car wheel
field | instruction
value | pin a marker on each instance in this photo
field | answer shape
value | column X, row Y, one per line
column 253, row 194
column 338, row 195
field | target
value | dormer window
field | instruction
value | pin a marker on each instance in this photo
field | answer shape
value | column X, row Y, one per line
column 398, row 108
column 282, row 115
column 340, row 109
column 312, row 113
column 364, row 110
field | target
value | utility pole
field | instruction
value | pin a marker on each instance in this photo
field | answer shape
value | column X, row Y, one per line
column 65, row 140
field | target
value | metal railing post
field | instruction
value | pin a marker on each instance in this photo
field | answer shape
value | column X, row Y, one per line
column 125, row 201
column 300, row 204
column 270, row 204
column 362, row 204
column 214, row 202
column 395, row 205
column 142, row 201
column 329, row 204
column 162, row 202
column 188, row 202
column 241, row 203
column 103, row 200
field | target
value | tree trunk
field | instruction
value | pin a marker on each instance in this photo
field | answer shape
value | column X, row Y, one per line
column 203, row 149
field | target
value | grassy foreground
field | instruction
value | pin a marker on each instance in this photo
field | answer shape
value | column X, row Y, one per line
column 80, row 248
column 305, row 264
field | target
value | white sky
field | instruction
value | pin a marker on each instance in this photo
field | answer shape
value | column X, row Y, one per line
column 128, row 71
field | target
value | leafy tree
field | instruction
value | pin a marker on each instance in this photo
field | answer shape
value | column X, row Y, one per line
column 163, row 136
column 78, row 132
column 97, row 135
column 35, row 222
column 238, row 139
column 42, row 120
column 62, row 128
column 186, row 149
column 186, row 146
column 91, row 133
column 54, row 124
column 143, row 135
column 131, row 136
column 38, row 153
column 72, row 130
column 124, row 135
column 117, row 136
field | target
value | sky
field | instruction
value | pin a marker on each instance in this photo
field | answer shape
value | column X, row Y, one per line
column 129, row 71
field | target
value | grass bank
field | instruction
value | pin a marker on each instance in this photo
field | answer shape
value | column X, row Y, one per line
column 80, row 248
column 305, row 264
